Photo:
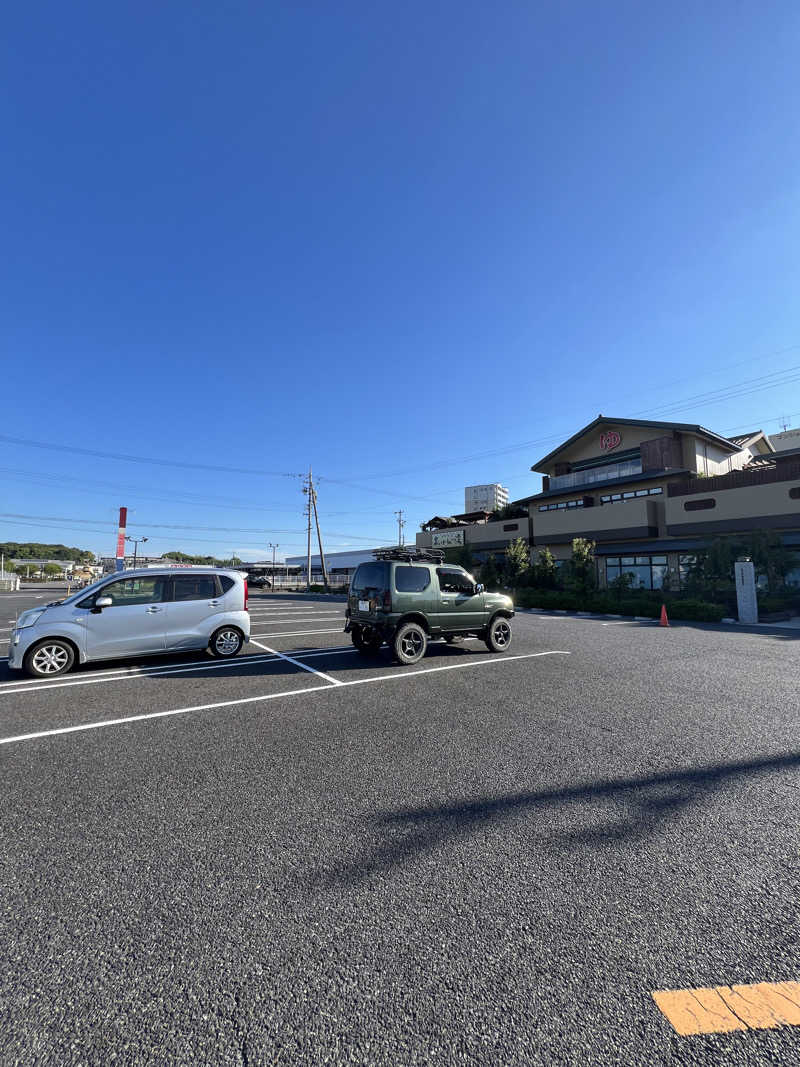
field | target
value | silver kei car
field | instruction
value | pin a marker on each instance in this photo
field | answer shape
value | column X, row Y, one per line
column 134, row 613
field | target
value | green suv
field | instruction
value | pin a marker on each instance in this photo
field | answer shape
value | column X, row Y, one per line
column 407, row 597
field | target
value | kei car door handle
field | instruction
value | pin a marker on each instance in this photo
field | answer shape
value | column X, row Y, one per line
column 214, row 603
column 152, row 610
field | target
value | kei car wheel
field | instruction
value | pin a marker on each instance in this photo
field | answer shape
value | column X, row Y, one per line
column 226, row 642
column 410, row 643
column 498, row 636
column 49, row 658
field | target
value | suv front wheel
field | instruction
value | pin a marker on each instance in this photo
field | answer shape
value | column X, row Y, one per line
column 498, row 635
column 410, row 643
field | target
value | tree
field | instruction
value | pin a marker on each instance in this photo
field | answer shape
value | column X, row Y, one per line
column 770, row 557
column 518, row 560
column 583, row 573
column 508, row 511
column 545, row 571
column 460, row 555
column 490, row 576
column 51, row 570
column 9, row 567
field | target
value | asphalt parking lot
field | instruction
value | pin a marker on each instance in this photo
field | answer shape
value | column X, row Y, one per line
column 307, row 856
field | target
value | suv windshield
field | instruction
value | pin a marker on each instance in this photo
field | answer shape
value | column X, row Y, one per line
column 370, row 578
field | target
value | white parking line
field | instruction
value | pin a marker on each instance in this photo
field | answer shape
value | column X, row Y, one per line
column 296, row 663
column 297, row 633
column 36, row 685
column 494, row 661
column 296, row 620
column 239, row 662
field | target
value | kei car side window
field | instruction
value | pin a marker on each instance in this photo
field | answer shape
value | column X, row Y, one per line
column 129, row 592
column 194, row 587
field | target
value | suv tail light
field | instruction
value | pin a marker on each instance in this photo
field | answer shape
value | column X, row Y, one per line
column 387, row 600
column 245, row 594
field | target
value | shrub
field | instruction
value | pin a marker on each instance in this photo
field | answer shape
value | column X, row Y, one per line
column 646, row 604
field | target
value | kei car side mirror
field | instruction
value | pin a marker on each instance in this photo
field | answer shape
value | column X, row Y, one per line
column 479, row 588
column 102, row 602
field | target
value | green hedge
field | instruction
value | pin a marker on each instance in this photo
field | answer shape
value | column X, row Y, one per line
column 646, row 606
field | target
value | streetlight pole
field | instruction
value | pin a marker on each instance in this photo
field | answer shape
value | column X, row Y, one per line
column 273, row 547
column 136, row 542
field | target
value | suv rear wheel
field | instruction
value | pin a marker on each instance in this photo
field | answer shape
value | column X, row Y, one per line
column 498, row 635
column 410, row 643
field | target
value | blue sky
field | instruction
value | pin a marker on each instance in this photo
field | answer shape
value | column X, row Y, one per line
column 412, row 246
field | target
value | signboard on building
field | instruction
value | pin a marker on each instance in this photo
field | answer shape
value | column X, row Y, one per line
column 448, row 538
column 610, row 439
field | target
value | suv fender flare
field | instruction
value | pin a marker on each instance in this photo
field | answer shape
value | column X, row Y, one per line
column 413, row 616
column 500, row 613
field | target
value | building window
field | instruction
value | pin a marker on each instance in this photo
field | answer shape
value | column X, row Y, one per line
column 612, row 498
column 646, row 572
column 560, row 507
column 699, row 505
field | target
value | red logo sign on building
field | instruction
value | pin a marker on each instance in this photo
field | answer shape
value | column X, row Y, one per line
column 610, row 439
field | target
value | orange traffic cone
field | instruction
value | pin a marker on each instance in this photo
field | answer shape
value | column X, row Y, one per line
column 664, row 620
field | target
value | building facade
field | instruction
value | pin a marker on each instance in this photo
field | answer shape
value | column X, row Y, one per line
column 651, row 495
column 474, row 531
column 485, row 497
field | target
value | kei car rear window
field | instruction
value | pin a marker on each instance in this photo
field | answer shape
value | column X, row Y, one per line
column 370, row 577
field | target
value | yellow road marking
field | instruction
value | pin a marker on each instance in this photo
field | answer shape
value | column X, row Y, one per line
column 761, row 1006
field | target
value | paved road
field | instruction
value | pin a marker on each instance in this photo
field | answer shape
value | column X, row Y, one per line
column 479, row 860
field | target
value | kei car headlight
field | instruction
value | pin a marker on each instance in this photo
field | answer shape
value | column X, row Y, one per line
column 28, row 618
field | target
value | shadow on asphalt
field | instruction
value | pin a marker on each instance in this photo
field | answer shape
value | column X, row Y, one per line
column 198, row 664
column 643, row 802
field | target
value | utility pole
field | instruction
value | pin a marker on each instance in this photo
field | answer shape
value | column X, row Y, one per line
column 307, row 489
column 400, row 524
column 319, row 537
column 311, row 509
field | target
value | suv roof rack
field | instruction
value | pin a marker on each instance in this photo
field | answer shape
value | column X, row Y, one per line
column 410, row 555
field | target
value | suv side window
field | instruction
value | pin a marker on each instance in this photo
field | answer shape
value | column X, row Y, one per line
column 411, row 579
column 454, row 581
column 194, row 587
column 128, row 592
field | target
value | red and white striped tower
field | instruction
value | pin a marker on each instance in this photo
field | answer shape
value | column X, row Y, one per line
column 123, row 521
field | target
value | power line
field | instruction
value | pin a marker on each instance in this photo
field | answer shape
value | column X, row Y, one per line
column 180, row 526
column 124, row 457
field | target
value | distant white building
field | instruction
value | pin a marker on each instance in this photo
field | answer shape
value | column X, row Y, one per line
column 485, row 497
column 336, row 562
